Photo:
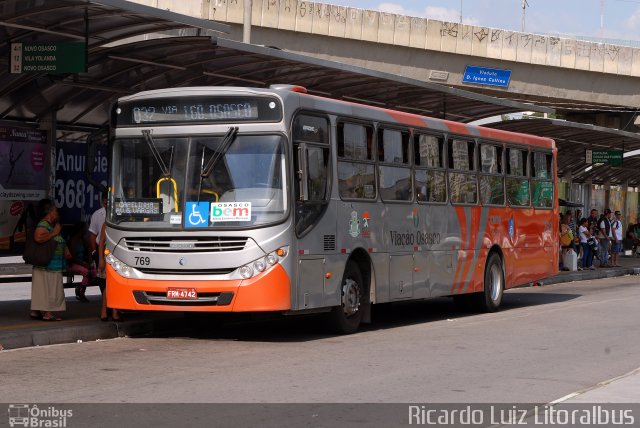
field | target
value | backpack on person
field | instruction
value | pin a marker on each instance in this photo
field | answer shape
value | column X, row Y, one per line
column 566, row 236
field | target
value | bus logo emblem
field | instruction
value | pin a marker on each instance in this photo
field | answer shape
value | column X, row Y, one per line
column 354, row 224
column 230, row 211
column 511, row 228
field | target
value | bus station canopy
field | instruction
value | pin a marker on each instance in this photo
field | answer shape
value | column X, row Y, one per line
column 573, row 139
column 129, row 51
column 131, row 48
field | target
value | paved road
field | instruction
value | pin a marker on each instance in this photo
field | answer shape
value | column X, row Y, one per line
column 547, row 342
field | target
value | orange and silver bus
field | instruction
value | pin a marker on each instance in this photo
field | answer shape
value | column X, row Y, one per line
column 230, row 199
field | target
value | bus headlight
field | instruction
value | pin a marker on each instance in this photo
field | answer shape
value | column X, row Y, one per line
column 271, row 259
column 121, row 268
column 246, row 272
column 125, row 271
column 258, row 266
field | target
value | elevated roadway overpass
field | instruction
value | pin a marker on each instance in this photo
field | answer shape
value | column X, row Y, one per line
column 585, row 81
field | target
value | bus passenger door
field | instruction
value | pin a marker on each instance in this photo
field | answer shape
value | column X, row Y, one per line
column 310, row 283
column 401, row 277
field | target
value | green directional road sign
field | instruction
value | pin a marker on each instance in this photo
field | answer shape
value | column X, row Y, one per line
column 52, row 58
column 609, row 157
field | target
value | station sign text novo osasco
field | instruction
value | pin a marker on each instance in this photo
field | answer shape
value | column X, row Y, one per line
column 52, row 58
column 486, row 76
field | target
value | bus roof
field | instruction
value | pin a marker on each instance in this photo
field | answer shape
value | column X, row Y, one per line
column 395, row 116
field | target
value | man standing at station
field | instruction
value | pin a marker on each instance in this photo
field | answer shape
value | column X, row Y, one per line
column 592, row 222
column 604, row 236
column 95, row 226
column 616, row 232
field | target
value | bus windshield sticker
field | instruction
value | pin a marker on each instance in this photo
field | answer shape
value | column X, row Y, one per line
column 196, row 214
column 369, row 191
column 230, row 211
column 175, row 219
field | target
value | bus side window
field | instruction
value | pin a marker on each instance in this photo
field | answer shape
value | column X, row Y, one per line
column 394, row 171
column 491, row 174
column 430, row 177
column 356, row 171
column 542, row 180
column 463, row 182
column 517, row 181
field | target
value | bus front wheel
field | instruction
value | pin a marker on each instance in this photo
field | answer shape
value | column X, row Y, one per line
column 346, row 318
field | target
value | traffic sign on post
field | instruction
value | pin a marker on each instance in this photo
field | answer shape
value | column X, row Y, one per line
column 609, row 157
column 52, row 58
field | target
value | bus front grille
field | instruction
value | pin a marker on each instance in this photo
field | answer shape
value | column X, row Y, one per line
column 202, row 244
column 154, row 271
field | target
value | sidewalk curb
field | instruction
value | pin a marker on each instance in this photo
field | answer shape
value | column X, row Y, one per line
column 86, row 332
column 590, row 275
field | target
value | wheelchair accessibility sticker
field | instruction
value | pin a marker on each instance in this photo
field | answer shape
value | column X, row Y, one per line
column 196, row 214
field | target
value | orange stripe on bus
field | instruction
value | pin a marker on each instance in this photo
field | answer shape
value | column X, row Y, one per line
column 458, row 128
column 407, row 118
column 463, row 232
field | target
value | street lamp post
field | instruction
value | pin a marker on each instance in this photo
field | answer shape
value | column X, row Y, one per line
column 246, row 24
column 525, row 3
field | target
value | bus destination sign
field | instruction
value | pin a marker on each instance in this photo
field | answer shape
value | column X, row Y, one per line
column 138, row 207
column 197, row 110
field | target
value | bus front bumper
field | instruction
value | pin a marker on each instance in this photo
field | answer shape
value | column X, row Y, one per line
column 269, row 291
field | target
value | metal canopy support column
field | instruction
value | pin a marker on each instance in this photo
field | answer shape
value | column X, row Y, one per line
column 48, row 123
column 587, row 197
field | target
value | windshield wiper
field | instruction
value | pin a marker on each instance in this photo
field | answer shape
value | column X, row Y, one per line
column 166, row 171
column 229, row 137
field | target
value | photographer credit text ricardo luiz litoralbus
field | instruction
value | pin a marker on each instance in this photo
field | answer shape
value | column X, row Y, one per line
column 547, row 415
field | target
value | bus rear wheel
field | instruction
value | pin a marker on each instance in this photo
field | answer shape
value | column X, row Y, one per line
column 346, row 318
column 491, row 298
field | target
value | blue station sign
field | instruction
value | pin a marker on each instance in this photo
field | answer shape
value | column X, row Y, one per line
column 487, row 76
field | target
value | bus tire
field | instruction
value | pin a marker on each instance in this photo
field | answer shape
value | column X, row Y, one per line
column 346, row 318
column 491, row 298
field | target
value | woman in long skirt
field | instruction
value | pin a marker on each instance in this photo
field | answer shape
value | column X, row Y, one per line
column 47, row 289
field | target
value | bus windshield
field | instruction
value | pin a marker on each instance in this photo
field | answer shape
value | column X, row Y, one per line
column 199, row 182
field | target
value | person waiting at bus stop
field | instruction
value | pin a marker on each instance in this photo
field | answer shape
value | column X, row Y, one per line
column 585, row 236
column 566, row 239
column 616, row 232
column 80, row 261
column 47, row 290
column 605, row 237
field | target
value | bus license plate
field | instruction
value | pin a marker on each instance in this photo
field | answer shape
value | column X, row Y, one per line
column 182, row 293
